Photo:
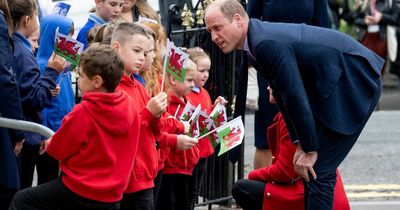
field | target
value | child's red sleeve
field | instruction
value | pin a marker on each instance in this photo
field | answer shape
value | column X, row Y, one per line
column 70, row 137
column 167, row 140
column 172, row 125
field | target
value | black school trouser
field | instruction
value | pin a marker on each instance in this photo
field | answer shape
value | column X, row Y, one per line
column 6, row 195
column 173, row 192
column 54, row 195
column 195, row 182
column 141, row 200
column 157, row 186
column 29, row 155
column 47, row 168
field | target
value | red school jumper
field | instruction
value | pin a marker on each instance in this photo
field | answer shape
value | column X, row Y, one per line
column 281, row 192
column 180, row 161
column 96, row 145
column 145, row 166
column 168, row 138
column 200, row 96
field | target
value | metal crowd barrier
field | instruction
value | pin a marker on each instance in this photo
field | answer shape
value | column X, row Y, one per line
column 26, row 126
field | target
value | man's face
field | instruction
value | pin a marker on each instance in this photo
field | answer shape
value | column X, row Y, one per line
column 226, row 33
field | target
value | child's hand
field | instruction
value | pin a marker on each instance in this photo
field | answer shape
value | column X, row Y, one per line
column 158, row 104
column 55, row 91
column 186, row 124
column 43, row 146
column 18, row 147
column 56, row 62
column 185, row 142
column 220, row 100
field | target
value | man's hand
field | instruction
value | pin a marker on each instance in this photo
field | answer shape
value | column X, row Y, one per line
column 185, row 142
column 304, row 162
column 158, row 104
column 18, row 147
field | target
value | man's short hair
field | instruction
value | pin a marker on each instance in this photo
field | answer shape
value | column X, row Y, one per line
column 229, row 8
column 125, row 30
column 103, row 60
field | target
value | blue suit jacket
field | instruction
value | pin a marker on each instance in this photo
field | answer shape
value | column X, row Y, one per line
column 318, row 75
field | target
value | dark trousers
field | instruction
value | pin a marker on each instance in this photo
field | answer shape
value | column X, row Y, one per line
column 334, row 147
column 173, row 192
column 47, row 168
column 29, row 155
column 264, row 116
column 6, row 196
column 157, row 186
column 249, row 194
column 55, row 195
column 141, row 200
column 195, row 182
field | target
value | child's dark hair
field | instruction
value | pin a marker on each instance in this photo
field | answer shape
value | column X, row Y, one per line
column 102, row 60
column 21, row 8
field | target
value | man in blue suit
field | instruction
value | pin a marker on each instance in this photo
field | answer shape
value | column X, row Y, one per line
column 326, row 84
column 310, row 12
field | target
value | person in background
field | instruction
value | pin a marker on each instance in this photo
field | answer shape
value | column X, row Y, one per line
column 35, row 87
column 372, row 26
column 62, row 104
column 132, row 9
column 387, row 19
column 96, row 143
column 106, row 11
column 33, row 40
column 313, row 12
column 311, row 70
column 11, row 141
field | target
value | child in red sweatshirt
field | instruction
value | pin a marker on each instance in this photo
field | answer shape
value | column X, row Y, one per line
column 180, row 163
column 131, row 41
column 96, row 143
column 199, row 95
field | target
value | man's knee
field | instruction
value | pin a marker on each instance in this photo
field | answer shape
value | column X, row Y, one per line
column 324, row 184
